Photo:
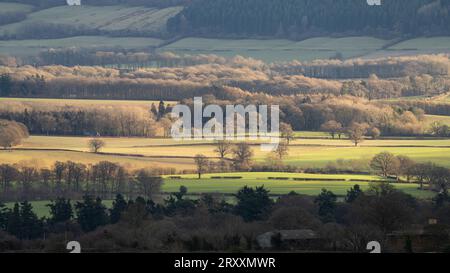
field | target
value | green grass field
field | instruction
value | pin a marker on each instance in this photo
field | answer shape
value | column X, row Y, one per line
column 33, row 47
column 208, row 185
column 434, row 43
column 279, row 50
column 422, row 45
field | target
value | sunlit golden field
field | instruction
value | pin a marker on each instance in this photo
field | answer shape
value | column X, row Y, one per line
column 158, row 152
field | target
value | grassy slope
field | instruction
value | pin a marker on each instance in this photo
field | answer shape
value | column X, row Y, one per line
column 33, row 47
column 106, row 18
column 423, row 45
column 279, row 50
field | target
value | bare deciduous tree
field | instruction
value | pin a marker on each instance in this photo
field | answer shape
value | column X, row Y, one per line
column 202, row 164
column 242, row 155
column 223, row 148
column 331, row 127
column 286, row 132
column 385, row 163
column 356, row 132
column 96, row 144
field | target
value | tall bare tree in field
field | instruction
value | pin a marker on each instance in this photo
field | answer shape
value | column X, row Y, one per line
column 242, row 155
column 282, row 150
column 286, row 132
column 356, row 132
column 96, row 144
column 223, row 148
column 202, row 164
column 385, row 163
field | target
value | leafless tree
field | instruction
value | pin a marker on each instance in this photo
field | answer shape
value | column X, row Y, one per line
column 96, row 144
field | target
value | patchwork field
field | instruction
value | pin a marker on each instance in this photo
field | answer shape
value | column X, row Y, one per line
column 157, row 152
column 138, row 21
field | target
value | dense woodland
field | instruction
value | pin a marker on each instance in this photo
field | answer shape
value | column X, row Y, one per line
column 184, row 77
column 87, row 121
column 301, row 18
column 306, row 103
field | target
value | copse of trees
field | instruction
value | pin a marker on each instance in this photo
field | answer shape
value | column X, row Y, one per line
column 73, row 180
column 389, row 165
column 85, row 121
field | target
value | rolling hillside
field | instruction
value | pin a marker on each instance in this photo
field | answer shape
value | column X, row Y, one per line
column 66, row 21
column 37, row 29
column 14, row 7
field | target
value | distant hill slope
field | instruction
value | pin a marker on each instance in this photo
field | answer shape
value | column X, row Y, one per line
column 304, row 18
column 65, row 21
column 13, row 12
column 146, row 3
